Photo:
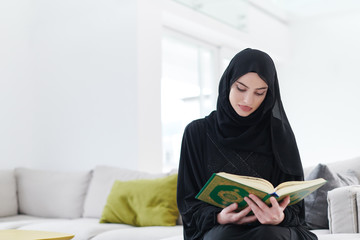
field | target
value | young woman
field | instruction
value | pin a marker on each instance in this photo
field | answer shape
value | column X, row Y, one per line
column 249, row 134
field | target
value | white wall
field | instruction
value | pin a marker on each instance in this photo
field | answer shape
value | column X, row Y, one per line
column 77, row 86
column 80, row 80
column 320, row 87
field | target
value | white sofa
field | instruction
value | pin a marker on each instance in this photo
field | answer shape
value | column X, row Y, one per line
column 346, row 224
column 72, row 202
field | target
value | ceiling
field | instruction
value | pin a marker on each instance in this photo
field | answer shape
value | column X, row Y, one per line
column 233, row 12
column 316, row 8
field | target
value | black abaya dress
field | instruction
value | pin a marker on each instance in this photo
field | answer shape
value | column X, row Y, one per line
column 201, row 156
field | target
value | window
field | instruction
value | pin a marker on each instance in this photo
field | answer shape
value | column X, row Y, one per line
column 188, row 89
column 191, row 70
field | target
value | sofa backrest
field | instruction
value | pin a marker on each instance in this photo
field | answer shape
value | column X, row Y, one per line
column 341, row 166
column 51, row 194
column 8, row 198
column 102, row 182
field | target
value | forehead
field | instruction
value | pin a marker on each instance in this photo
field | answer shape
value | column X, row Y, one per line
column 252, row 80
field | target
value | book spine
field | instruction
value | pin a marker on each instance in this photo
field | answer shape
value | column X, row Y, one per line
column 207, row 183
column 274, row 194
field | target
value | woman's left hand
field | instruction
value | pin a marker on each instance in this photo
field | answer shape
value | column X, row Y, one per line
column 272, row 215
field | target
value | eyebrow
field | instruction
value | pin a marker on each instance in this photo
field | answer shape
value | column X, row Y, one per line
column 262, row 88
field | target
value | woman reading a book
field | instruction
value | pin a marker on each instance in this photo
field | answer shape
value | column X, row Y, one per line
column 248, row 134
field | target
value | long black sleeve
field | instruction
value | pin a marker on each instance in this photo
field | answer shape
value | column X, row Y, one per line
column 292, row 218
column 198, row 217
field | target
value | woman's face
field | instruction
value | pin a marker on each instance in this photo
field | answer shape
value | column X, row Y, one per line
column 247, row 93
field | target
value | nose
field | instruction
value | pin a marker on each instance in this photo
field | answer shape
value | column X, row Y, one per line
column 248, row 99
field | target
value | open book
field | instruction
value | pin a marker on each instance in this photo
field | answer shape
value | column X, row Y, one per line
column 223, row 189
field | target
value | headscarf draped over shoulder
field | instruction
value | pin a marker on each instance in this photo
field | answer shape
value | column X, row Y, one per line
column 267, row 130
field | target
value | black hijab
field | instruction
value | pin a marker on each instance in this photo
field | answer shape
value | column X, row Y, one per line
column 266, row 130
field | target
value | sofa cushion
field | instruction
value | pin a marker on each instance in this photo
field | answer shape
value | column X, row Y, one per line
column 8, row 198
column 342, row 209
column 82, row 228
column 340, row 166
column 17, row 221
column 179, row 237
column 344, row 165
column 51, row 194
column 142, row 202
column 141, row 233
column 102, row 182
column 316, row 203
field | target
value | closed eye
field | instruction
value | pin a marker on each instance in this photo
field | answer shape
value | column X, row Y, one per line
column 240, row 89
column 260, row 94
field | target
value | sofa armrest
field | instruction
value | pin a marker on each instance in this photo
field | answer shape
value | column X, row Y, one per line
column 343, row 209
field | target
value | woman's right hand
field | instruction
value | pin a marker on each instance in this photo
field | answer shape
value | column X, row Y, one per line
column 230, row 215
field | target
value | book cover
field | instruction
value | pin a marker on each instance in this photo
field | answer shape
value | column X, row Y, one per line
column 223, row 189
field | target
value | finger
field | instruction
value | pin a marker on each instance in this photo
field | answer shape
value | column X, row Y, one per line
column 248, row 219
column 249, row 201
column 258, row 201
column 241, row 215
column 245, row 211
column 230, row 208
column 285, row 202
column 274, row 202
column 254, row 207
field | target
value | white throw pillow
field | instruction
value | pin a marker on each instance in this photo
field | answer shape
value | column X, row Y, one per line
column 102, row 182
column 8, row 200
column 51, row 194
column 342, row 209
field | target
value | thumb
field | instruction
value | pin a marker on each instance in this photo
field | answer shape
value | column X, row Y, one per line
column 285, row 202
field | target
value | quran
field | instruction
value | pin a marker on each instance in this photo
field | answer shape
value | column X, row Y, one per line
column 223, row 189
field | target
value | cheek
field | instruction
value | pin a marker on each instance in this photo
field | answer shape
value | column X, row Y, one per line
column 235, row 95
column 259, row 101
column 232, row 96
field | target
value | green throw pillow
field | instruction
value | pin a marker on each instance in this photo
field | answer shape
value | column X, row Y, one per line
column 150, row 202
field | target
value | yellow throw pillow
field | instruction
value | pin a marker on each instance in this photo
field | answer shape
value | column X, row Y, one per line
column 150, row 202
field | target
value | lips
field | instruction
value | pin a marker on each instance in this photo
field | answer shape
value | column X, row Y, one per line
column 245, row 108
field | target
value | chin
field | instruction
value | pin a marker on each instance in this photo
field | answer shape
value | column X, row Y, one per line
column 244, row 114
